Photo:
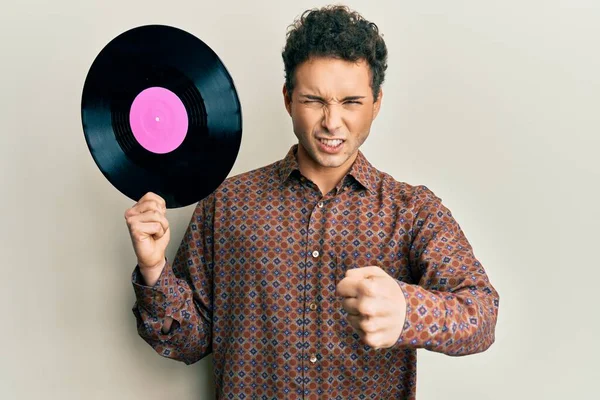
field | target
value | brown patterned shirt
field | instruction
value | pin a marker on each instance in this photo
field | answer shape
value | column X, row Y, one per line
column 254, row 282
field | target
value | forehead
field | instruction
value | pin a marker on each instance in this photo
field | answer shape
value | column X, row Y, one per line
column 332, row 75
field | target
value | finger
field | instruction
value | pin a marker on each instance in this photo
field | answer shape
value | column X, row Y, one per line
column 364, row 272
column 356, row 287
column 364, row 325
column 363, row 306
column 366, row 287
column 149, row 217
column 374, row 340
column 155, row 197
column 349, row 304
column 347, row 287
column 157, row 230
column 153, row 216
column 148, row 205
column 142, row 230
column 354, row 322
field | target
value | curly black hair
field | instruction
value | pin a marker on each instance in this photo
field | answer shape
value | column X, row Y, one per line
column 334, row 31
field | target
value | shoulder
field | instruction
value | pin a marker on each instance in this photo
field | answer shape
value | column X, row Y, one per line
column 255, row 178
column 404, row 193
column 246, row 187
column 239, row 188
column 417, row 203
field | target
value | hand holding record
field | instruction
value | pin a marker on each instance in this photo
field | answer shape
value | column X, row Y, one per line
column 150, row 234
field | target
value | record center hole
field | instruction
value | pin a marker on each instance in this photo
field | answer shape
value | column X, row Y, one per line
column 157, row 119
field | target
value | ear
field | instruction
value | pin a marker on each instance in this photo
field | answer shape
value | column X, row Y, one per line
column 287, row 100
column 377, row 104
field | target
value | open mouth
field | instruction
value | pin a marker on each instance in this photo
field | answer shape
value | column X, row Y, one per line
column 331, row 145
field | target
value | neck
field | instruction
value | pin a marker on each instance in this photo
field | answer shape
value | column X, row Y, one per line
column 326, row 178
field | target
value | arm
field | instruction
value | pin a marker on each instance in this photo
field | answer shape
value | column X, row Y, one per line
column 150, row 278
column 453, row 308
column 174, row 314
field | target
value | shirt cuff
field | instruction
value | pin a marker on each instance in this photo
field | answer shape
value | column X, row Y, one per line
column 424, row 319
column 161, row 300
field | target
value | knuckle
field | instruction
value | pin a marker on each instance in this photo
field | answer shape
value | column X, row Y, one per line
column 366, row 288
column 364, row 308
column 366, row 326
column 363, row 325
column 137, row 236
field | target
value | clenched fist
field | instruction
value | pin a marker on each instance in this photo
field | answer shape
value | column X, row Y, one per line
column 149, row 231
column 375, row 305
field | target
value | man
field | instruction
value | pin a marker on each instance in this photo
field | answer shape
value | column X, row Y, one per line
column 317, row 276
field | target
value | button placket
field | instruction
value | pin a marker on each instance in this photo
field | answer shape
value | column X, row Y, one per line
column 316, row 255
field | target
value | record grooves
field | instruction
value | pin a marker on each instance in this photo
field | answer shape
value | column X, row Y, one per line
column 160, row 113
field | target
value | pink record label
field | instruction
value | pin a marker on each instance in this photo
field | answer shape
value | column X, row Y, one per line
column 158, row 120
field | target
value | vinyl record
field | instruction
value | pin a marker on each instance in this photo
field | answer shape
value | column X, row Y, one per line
column 161, row 114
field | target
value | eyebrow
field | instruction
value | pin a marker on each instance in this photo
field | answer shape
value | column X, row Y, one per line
column 347, row 98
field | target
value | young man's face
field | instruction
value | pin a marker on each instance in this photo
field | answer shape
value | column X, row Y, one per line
column 332, row 99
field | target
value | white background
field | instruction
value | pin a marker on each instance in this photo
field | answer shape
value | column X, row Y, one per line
column 494, row 105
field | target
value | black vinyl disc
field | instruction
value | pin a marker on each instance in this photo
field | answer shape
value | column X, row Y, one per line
column 161, row 114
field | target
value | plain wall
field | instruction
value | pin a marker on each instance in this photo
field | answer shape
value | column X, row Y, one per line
column 494, row 105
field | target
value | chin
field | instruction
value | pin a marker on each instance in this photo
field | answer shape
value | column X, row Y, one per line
column 332, row 161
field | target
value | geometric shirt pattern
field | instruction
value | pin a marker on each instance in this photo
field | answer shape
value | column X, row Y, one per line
column 254, row 282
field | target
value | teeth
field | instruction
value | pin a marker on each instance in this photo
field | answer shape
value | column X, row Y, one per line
column 331, row 143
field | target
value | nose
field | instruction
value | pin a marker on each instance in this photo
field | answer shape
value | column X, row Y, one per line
column 332, row 117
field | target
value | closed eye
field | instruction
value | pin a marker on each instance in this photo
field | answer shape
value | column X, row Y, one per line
column 311, row 99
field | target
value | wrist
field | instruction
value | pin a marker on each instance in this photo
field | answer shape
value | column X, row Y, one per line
column 153, row 267
column 152, row 274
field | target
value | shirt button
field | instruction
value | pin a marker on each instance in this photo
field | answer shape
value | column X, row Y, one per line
column 315, row 254
column 313, row 358
column 320, row 204
column 313, row 306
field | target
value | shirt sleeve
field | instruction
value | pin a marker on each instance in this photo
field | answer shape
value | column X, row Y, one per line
column 183, row 292
column 453, row 307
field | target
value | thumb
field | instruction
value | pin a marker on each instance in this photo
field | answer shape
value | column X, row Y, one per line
column 364, row 272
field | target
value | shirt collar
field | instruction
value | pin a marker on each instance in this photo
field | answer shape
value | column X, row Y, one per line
column 361, row 170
